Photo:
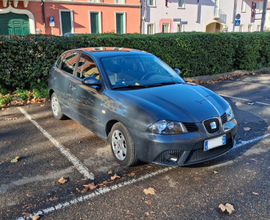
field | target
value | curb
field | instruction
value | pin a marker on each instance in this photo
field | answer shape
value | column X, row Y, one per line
column 206, row 78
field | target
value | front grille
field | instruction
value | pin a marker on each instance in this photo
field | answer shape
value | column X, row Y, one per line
column 201, row 155
column 207, row 125
column 191, row 126
column 224, row 118
column 165, row 156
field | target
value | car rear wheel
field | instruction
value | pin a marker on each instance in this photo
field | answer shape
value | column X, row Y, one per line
column 122, row 145
column 56, row 109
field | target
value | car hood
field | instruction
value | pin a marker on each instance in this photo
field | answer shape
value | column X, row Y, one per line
column 179, row 102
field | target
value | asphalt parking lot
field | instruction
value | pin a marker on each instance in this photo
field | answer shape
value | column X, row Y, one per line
column 51, row 149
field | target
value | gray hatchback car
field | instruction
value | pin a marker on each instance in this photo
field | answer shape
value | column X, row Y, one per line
column 141, row 106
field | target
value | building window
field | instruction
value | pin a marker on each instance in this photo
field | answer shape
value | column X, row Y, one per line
column 95, row 22
column 120, row 1
column 241, row 28
column 243, row 5
column 165, row 28
column 260, row 8
column 258, row 27
column 181, row 3
column 180, row 28
column 250, row 28
column 66, row 21
column 151, row 3
column 120, row 23
column 150, row 28
column 216, row 9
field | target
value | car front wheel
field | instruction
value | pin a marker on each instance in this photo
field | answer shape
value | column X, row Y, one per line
column 56, row 109
column 122, row 145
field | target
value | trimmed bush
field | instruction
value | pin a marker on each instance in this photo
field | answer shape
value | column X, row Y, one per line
column 26, row 61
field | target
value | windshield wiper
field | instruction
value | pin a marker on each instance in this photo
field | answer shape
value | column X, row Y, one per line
column 128, row 86
column 162, row 84
column 154, row 85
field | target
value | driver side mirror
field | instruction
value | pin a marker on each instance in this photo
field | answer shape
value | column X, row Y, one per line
column 91, row 81
column 177, row 71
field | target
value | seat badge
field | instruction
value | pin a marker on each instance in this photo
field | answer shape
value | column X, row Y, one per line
column 213, row 125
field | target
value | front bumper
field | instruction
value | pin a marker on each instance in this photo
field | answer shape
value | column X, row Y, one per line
column 182, row 149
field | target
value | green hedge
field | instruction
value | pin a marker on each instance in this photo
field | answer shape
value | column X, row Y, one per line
column 26, row 60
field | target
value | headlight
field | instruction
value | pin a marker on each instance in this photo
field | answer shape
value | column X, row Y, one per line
column 167, row 127
column 229, row 114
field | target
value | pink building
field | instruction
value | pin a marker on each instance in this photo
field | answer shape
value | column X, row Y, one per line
column 69, row 16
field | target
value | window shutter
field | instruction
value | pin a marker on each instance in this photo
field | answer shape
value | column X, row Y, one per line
column 94, row 23
column 66, row 22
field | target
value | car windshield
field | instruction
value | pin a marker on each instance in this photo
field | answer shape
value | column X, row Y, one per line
column 136, row 71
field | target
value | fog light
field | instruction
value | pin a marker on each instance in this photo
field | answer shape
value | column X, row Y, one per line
column 173, row 159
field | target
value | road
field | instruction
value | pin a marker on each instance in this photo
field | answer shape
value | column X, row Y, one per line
column 51, row 149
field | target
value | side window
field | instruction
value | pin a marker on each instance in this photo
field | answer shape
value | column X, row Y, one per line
column 69, row 62
column 87, row 67
column 57, row 63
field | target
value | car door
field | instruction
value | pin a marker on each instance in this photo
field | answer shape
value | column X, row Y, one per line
column 86, row 100
column 62, row 78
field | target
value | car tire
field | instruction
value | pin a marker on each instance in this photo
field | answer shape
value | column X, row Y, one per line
column 122, row 145
column 56, row 109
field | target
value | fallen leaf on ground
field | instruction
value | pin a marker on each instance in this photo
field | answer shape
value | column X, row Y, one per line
column 250, row 171
column 215, row 172
column 9, row 119
column 227, row 207
column 131, row 174
column 42, row 105
column 253, row 159
column 15, row 160
column 62, row 180
column 146, row 213
column 150, row 191
column 90, row 186
column 115, row 177
column 110, row 172
column 148, row 202
column 103, row 184
column 247, row 128
column 7, row 142
column 197, row 178
column 26, row 214
column 254, row 193
column 35, row 217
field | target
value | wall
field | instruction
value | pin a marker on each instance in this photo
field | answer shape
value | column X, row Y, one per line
column 81, row 15
column 205, row 11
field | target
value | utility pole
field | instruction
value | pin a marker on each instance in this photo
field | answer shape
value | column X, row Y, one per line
column 263, row 14
column 234, row 13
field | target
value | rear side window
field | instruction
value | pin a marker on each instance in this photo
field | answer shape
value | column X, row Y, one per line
column 57, row 63
column 69, row 62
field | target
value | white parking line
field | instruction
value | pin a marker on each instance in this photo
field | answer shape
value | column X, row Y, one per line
column 246, row 100
column 106, row 189
column 74, row 160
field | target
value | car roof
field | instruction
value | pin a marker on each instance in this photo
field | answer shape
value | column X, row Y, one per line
column 110, row 51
